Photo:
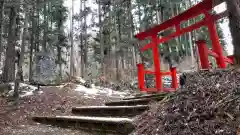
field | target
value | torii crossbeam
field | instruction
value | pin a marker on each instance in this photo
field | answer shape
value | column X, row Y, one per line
column 204, row 8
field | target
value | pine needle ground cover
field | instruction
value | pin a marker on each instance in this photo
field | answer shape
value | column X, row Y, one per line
column 208, row 105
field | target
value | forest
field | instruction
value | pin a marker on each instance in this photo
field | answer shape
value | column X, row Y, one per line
column 84, row 52
column 94, row 38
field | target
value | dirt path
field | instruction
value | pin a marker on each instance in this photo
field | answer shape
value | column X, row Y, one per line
column 15, row 120
column 42, row 130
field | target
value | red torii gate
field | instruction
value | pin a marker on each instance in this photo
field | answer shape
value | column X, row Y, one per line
column 204, row 52
column 201, row 8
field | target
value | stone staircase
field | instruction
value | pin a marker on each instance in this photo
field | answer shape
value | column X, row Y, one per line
column 115, row 117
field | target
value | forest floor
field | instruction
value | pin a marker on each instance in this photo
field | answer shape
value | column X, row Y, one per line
column 16, row 119
column 208, row 104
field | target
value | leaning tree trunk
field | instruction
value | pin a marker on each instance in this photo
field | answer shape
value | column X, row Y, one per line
column 233, row 7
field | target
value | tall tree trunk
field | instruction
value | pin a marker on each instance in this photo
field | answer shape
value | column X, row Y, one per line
column 85, row 41
column 233, row 7
column 2, row 2
column 110, row 57
column 119, row 54
column 190, row 38
column 158, row 17
column 59, row 60
column 117, row 43
column 81, row 41
column 9, row 67
column 37, row 43
column 72, row 49
column 33, row 33
column 59, row 48
column 101, row 37
column 45, row 31
column 37, row 35
column 82, row 55
column 140, row 29
column 167, row 49
column 19, row 76
column 49, row 12
column 176, row 56
column 131, row 31
column 122, row 59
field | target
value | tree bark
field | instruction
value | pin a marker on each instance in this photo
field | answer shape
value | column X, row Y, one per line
column 37, row 43
column 131, row 31
column 45, row 31
column 33, row 33
column 59, row 60
column 85, row 42
column 116, row 20
column 2, row 3
column 71, row 34
column 37, row 35
column 101, row 37
column 233, row 7
column 81, row 42
column 9, row 67
column 190, row 39
column 21, row 60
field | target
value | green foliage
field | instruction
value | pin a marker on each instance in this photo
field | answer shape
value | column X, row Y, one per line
column 59, row 14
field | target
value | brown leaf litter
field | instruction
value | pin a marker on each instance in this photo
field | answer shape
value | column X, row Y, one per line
column 208, row 105
column 16, row 119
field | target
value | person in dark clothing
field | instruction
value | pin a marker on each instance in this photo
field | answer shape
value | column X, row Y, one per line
column 211, row 65
column 17, row 56
column 17, row 60
column 182, row 80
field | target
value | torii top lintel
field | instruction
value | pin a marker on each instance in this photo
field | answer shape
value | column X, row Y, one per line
column 196, row 10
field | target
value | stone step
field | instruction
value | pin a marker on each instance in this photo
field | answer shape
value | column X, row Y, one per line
column 99, row 124
column 132, row 102
column 121, row 111
column 148, row 96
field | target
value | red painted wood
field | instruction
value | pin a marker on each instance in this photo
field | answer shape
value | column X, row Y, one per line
column 141, row 83
column 203, row 54
column 194, row 11
column 156, row 59
column 149, row 72
column 174, row 78
column 216, row 46
column 175, row 34
column 202, row 8
column 211, row 53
